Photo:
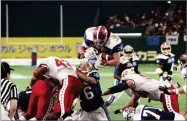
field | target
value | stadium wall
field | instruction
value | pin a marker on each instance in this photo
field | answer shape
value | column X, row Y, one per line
column 18, row 51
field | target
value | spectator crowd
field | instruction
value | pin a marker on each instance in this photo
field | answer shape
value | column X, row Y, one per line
column 159, row 22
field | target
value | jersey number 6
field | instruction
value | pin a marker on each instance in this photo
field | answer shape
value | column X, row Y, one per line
column 87, row 92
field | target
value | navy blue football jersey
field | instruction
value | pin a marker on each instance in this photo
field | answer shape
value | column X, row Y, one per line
column 23, row 100
column 90, row 96
column 126, row 64
column 167, row 62
column 144, row 112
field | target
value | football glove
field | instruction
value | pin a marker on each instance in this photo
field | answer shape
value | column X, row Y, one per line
column 165, row 89
column 118, row 111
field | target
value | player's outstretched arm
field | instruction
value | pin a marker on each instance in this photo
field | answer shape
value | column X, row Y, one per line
column 119, row 87
column 180, row 90
column 86, row 78
column 131, row 103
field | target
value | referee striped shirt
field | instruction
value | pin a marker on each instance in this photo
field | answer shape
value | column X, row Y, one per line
column 8, row 92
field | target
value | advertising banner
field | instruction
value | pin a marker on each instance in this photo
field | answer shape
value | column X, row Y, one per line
column 45, row 47
column 173, row 40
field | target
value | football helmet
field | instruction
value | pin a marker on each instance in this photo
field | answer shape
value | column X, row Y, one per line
column 127, row 72
column 100, row 36
column 85, row 66
column 182, row 61
column 128, row 114
column 165, row 48
column 128, row 51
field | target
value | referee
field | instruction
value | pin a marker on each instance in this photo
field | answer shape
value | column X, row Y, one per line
column 8, row 93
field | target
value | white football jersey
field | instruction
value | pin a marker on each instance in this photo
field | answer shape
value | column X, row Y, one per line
column 184, row 77
column 113, row 45
column 145, row 86
column 184, row 74
column 58, row 68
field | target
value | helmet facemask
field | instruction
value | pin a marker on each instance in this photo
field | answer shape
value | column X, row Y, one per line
column 85, row 67
column 100, row 42
column 182, row 64
column 166, row 48
column 100, row 36
column 128, row 51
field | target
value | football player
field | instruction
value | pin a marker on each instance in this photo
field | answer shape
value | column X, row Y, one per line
column 128, row 60
column 91, row 101
column 183, row 68
column 165, row 63
column 144, row 112
column 40, row 101
column 23, row 102
column 107, row 44
column 143, row 86
column 61, row 72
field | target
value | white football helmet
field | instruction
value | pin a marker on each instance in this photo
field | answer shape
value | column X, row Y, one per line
column 128, row 51
column 127, row 72
column 128, row 114
column 165, row 48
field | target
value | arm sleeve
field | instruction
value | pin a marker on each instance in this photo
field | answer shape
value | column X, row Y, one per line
column 118, row 88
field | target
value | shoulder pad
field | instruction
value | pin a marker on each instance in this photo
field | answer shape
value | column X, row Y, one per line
column 94, row 74
column 161, row 56
column 172, row 55
column 113, row 41
column 134, row 57
column 89, row 33
column 123, row 60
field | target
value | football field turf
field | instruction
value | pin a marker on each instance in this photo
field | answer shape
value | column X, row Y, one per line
column 22, row 75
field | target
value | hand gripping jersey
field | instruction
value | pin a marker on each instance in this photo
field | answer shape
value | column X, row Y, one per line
column 58, row 68
column 113, row 45
column 145, row 86
column 126, row 64
column 144, row 112
column 91, row 94
column 167, row 61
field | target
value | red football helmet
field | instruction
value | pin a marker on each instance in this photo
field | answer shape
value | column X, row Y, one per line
column 183, row 61
column 100, row 36
column 165, row 48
